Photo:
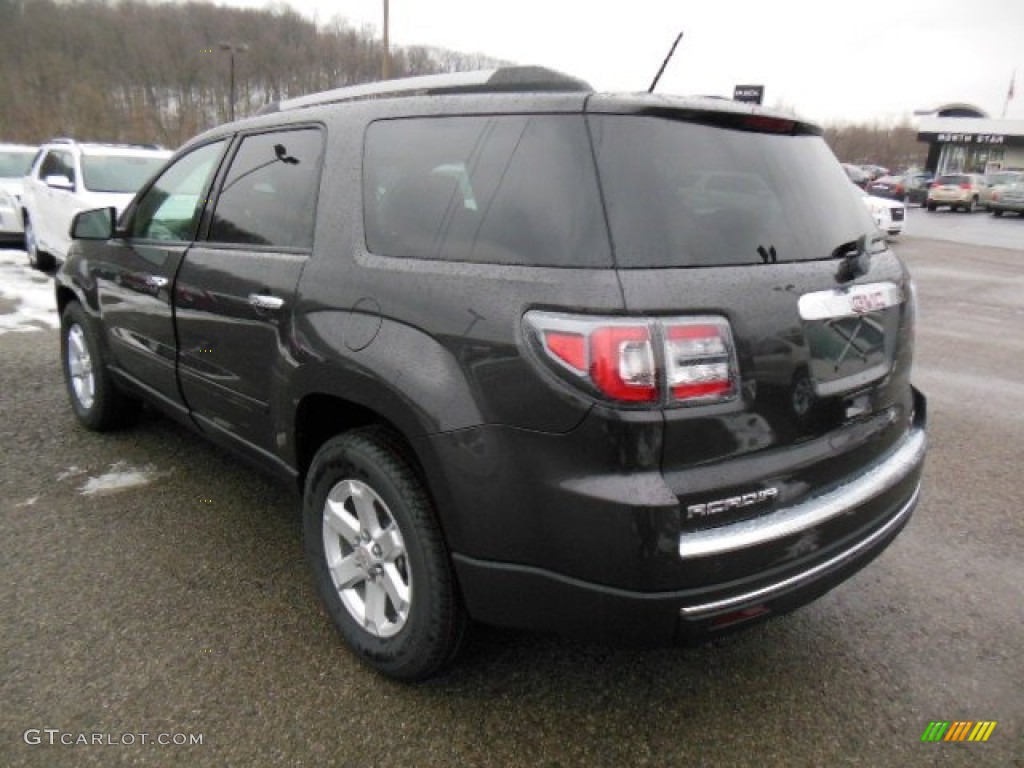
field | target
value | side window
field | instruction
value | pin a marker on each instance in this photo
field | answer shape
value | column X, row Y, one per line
column 170, row 208
column 52, row 165
column 515, row 189
column 67, row 164
column 270, row 191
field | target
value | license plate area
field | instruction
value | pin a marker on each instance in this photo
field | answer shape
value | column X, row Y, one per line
column 851, row 335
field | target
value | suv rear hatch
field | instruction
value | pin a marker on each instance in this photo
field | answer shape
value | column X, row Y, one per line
column 721, row 212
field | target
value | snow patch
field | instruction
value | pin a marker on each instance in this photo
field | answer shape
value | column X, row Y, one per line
column 27, row 301
column 71, row 471
column 28, row 502
column 119, row 477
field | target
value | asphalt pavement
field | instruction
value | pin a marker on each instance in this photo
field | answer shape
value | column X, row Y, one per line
column 151, row 584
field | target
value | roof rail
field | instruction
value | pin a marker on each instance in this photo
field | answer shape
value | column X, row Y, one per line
column 119, row 145
column 501, row 80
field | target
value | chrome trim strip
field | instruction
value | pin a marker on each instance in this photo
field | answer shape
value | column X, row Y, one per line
column 879, row 478
column 849, row 302
column 773, row 590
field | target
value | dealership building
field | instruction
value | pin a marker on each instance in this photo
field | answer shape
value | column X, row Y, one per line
column 963, row 139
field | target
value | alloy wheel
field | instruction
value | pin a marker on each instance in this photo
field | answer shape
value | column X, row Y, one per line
column 367, row 558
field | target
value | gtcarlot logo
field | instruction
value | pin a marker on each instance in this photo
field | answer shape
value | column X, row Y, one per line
column 57, row 737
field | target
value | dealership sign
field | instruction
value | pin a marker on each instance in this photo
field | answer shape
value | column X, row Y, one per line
column 972, row 138
column 751, row 94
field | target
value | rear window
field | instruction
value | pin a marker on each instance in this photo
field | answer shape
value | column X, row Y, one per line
column 690, row 195
column 510, row 189
column 953, row 179
column 118, row 173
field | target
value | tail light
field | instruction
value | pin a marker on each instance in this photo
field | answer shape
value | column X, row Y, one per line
column 995, row 195
column 965, row 185
column 934, row 185
column 900, row 189
column 652, row 361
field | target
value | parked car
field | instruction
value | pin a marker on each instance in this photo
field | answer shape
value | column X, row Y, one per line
column 909, row 188
column 856, row 174
column 875, row 171
column 889, row 215
column 511, row 365
column 15, row 160
column 956, row 190
column 67, row 177
column 1008, row 196
column 994, row 181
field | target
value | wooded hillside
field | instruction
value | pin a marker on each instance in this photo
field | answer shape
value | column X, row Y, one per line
column 140, row 72
column 130, row 70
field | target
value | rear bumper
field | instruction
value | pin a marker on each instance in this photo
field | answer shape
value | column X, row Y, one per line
column 1016, row 206
column 767, row 566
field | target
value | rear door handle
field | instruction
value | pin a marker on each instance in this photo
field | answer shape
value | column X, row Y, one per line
column 262, row 301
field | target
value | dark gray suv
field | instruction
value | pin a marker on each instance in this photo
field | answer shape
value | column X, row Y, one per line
column 520, row 364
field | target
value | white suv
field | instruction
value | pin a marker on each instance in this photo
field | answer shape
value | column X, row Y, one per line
column 15, row 160
column 68, row 177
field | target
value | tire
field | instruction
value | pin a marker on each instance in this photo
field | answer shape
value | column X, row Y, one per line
column 997, row 213
column 392, row 593
column 95, row 399
column 931, row 207
column 36, row 258
column 972, row 206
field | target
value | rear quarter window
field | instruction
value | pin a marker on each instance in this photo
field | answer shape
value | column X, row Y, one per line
column 509, row 189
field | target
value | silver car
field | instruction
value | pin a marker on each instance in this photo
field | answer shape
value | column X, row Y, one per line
column 1008, row 196
column 15, row 161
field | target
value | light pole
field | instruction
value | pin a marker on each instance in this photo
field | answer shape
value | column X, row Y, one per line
column 385, row 64
column 232, row 48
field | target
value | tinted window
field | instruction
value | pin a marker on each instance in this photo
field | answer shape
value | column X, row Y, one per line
column 269, row 193
column 684, row 194
column 14, row 165
column 170, row 208
column 502, row 190
column 118, row 173
column 953, row 179
column 58, row 164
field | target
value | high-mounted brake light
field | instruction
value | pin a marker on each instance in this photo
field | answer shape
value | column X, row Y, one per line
column 688, row 361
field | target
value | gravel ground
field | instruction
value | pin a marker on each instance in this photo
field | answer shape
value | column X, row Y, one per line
column 180, row 604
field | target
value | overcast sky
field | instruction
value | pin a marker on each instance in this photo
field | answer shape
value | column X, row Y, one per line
column 828, row 59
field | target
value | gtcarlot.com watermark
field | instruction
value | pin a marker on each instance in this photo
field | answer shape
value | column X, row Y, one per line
column 56, row 737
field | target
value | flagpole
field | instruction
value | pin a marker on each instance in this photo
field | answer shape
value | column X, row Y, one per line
column 1009, row 93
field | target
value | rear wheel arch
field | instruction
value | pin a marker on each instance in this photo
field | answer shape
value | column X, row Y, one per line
column 321, row 416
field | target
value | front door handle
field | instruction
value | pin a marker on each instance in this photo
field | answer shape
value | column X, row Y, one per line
column 262, row 301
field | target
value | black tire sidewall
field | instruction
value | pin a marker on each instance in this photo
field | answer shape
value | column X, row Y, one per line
column 37, row 259
column 109, row 408
column 419, row 648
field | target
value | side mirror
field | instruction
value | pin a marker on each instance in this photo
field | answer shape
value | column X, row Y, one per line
column 97, row 224
column 59, row 182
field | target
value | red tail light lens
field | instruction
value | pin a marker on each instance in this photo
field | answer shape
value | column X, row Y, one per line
column 622, row 366
column 934, row 185
column 900, row 189
column 570, row 348
column 699, row 361
column 965, row 185
column 643, row 361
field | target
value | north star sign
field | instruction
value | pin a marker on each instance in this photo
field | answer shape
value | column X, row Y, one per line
column 972, row 138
